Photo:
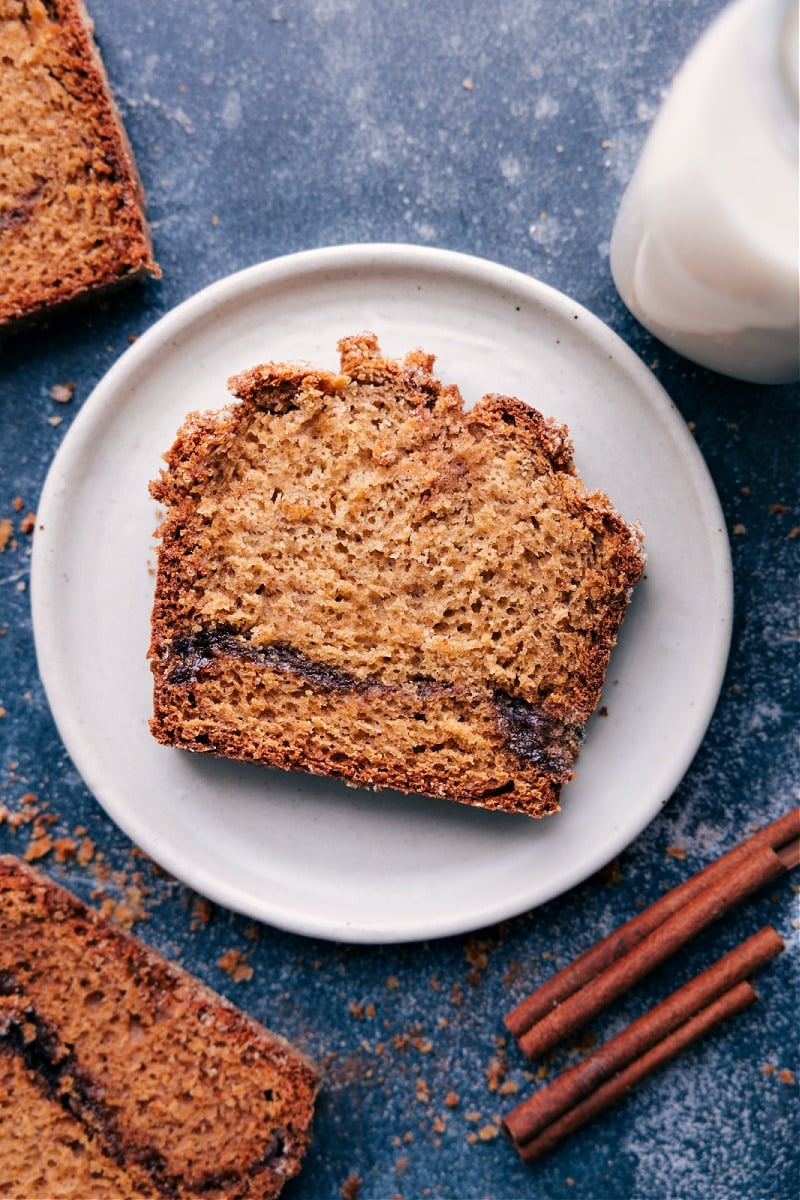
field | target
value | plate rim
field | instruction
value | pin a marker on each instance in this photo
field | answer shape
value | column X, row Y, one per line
column 268, row 274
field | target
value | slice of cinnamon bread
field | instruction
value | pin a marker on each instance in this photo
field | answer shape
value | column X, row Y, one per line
column 71, row 208
column 358, row 578
column 121, row 1075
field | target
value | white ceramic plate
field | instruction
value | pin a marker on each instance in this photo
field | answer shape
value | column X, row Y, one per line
column 311, row 855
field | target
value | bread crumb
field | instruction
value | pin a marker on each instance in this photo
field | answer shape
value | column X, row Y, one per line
column 6, row 532
column 62, row 393
column 351, row 1188
column 611, row 873
column 202, row 911
column 117, row 912
column 513, row 973
column 234, row 963
column 452, row 1100
column 27, row 523
column 496, row 1073
column 38, row 848
column 467, row 84
column 476, row 956
column 739, row 530
column 86, row 852
column 676, row 852
column 65, row 848
column 786, row 1076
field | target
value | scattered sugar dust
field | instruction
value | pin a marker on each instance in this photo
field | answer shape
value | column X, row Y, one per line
column 702, row 1113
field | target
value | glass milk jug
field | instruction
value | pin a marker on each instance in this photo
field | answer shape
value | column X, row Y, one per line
column 704, row 251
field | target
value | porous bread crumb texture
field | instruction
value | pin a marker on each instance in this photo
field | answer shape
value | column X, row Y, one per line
column 357, row 577
column 120, row 1074
column 56, row 1156
column 71, row 207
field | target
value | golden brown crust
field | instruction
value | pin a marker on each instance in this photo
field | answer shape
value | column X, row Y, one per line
column 358, row 578
column 165, row 1083
column 72, row 216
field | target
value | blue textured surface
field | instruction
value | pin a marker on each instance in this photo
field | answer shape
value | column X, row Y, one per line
column 507, row 131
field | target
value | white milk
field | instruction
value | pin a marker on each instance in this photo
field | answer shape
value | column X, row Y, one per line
column 705, row 247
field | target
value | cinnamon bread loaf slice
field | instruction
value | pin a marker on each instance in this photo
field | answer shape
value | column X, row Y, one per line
column 72, row 215
column 121, row 1075
column 358, row 578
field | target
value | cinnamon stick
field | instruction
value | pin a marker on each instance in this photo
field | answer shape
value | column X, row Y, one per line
column 734, row 885
column 623, row 939
column 534, row 1115
column 789, row 854
column 729, row 1003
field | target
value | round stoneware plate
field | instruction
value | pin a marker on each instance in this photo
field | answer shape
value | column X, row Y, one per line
column 311, row 855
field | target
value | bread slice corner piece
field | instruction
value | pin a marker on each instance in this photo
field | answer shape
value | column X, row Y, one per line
column 359, row 577
column 72, row 210
column 123, row 1075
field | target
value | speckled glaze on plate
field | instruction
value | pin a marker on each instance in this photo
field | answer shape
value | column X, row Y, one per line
column 311, row 855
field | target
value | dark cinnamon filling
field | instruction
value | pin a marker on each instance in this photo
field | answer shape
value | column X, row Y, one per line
column 192, row 653
column 538, row 735
column 530, row 732
column 65, row 1082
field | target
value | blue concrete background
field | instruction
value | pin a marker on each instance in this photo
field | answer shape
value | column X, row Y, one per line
column 508, row 131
